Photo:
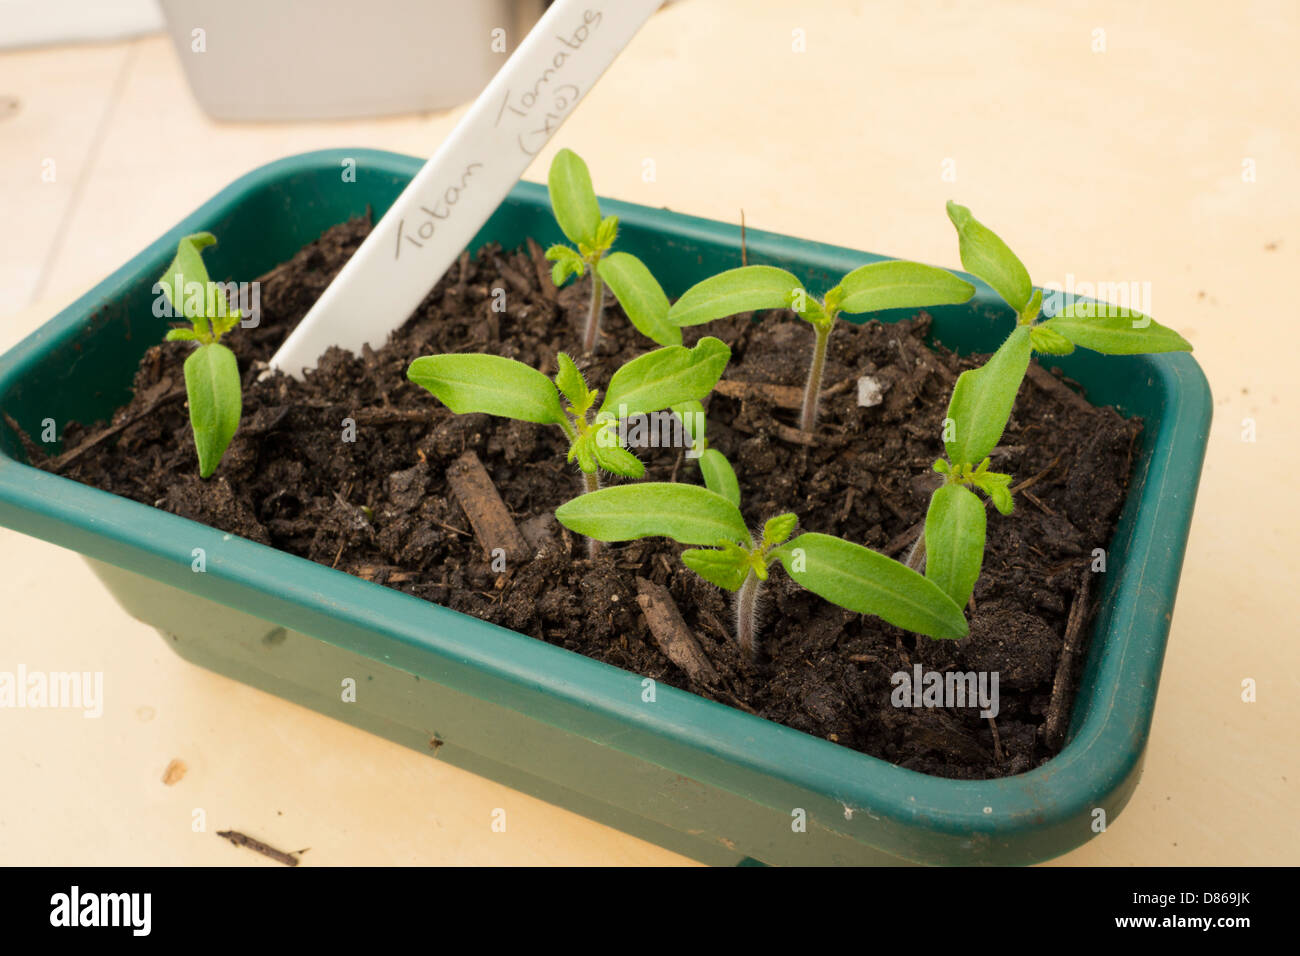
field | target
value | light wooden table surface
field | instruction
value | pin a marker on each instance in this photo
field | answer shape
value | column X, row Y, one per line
column 1119, row 165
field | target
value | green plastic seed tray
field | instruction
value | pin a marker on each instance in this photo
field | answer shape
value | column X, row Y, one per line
column 692, row 775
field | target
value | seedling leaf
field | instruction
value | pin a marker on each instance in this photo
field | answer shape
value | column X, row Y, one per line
column 719, row 476
column 982, row 399
column 998, row 487
column 573, row 199
column 606, row 232
column 898, row 285
column 954, row 541
column 726, row 569
column 490, row 384
column 985, row 255
column 666, row 377
column 640, row 295
column 861, row 580
column 618, row 461
column 688, row 514
column 212, row 387
column 569, row 380
column 567, row 263
column 1114, row 330
column 1047, row 340
column 736, row 290
column 777, row 529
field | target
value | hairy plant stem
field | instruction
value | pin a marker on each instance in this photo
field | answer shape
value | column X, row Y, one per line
column 916, row 555
column 597, row 307
column 812, row 391
column 747, row 615
column 592, row 482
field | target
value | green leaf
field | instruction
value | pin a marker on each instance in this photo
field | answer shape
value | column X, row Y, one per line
column 489, row 384
column 861, row 580
column 1031, row 311
column 569, row 380
column 665, row 377
column 808, row 308
column 572, row 198
column 187, row 267
column 1047, row 340
column 900, row 285
column 688, row 514
column 618, row 461
column 221, row 324
column 606, row 233
column 640, row 295
column 212, row 387
column 567, row 263
column 719, row 476
column 726, row 569
column 736, row 290
column 998, row 487
column 987, row 256
column 181, row 335
column 777, row 529
column 1114, row 330
column 982, row 399
column 954, row 541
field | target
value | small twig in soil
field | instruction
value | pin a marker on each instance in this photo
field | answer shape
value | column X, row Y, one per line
column 543, row 269
column 56, row 465
column 1058, row 711
column 671, row 633
column 998, row 755
column 487, row 513
column 744, row 246
column 794, row 436
column 257, row 846
column 781, row 396
column 1033, row 499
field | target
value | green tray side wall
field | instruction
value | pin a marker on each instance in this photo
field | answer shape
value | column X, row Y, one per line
column 687, row 773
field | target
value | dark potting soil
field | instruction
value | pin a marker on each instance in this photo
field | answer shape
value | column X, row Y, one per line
column 380, row 506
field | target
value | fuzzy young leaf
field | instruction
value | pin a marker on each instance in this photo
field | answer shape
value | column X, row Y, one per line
column 900, row 285
column 618, row 461
column 571, row 383
column 719, row 476
column 221, row 324
column 861, row 580
column 726, row 569
column 181, row 335
column 1049, row 341
column 640, row 295
column 490, row 384
column 666, row 377
column 567, row 263
column 777, row 529
column 954, row 541
column 998, row 487
column 1114, row 330
column 606, row 233
column 982, row 399
column 212, row 387
column 688, row 514
column 573, row 200
column 736, row 290
column 985, row 255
